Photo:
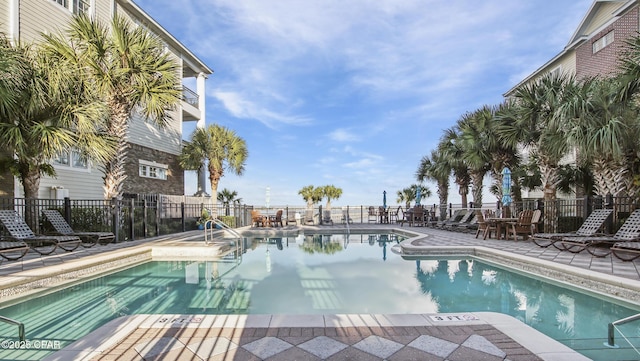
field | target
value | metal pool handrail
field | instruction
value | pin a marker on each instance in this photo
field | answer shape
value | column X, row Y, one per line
column 208, row 235
column 17, row 323
column 610, row 340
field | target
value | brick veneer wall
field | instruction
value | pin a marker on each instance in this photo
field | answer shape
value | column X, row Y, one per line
column 605, row 62
column 174, row 184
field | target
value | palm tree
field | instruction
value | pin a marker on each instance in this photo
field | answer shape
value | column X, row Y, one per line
column 131, row 70
column 451, row 151
column 536, row 126
column 220, row 147
column 331, row 192
column 227, row 197
column 311, row 195
column 475, row 142
column 406, row 196
column 605, row 130
column 43, row 115
column 438, row 169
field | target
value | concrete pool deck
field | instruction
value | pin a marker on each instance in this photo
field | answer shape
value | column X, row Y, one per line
column 471, row 336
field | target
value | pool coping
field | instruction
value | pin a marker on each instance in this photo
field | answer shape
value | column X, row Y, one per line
column 117, row 331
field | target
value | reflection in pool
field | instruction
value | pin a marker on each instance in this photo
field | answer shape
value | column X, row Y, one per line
column 322, row 274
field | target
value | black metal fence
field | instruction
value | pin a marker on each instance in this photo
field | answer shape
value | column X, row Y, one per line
column 153, row 215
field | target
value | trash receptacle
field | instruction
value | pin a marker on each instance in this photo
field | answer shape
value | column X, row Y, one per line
column 297, row 217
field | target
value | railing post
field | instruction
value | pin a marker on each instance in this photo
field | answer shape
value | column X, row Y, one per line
column 158, row 214
column 320, row 217
column 131, row 220
column 608, row 203
column 115, row 216
column 67, row 210
column 144, row 219
column 182, row 217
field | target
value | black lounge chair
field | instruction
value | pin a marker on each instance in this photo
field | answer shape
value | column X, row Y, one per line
column 454, row 219
column 89, row 239
column 589, row 228
column 19, row 231
column 630, row 231
column 13, row 250
column 626, row 251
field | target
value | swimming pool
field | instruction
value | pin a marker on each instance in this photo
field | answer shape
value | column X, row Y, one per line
column 319, row 274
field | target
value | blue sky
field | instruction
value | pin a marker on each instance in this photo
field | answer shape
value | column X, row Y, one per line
column 354, row 93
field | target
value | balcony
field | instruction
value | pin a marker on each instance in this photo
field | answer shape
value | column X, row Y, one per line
column 190, row 110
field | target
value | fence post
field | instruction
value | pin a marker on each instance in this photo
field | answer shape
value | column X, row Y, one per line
column 115, row 215
column 320, row 214
column 144, row 219
column 608, row 203
column 158, row 213
column 67, row 209
column 182, row 217
column 131, row 220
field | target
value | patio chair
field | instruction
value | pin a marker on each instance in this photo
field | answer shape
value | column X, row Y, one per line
column 276, row 219
column 257, row 219
column 19, row 231
column 630, row 231
column 522, row 226
column 484, row 225
column 13, row 250
column 590, row 227
column 414, row 216
column 372, row 216
column 89, row 239
column 396, row 215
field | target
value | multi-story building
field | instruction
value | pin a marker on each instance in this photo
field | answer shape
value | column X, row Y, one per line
column 593, row 49
column 152, row 165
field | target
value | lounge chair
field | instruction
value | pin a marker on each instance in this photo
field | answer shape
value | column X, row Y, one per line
column 13, row 250
column 19, row 231
column 455, row 218
column 63, row 228
column 630, row 231
column 467, row 222
column 626, row 251
column 591, row 225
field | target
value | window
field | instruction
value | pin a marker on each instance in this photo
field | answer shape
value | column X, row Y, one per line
column 154, row 170
column 71, row 159
column 603, row 42
column 75, row 6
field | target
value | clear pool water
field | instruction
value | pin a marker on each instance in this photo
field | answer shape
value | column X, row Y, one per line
column 321, row 274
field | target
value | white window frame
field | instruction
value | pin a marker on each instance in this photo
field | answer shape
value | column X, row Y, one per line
column 153, row 170
column 76, row 6
column 71, row 161
column 603, row 42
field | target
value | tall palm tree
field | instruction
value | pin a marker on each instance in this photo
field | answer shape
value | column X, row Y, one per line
column 331, row 192
column 438, row 169
column 451, row 150
column 43, row 115
column 221, row 148
column 536, row 126
column 130, row 68
column 605, row 129
column 311, row 195
column 227, row 196
column 475, row 141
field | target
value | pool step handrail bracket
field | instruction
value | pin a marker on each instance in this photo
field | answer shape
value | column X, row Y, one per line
column 610, row 339
column 17, row 323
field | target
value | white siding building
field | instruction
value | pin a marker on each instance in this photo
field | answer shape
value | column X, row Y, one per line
column 152, row 165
